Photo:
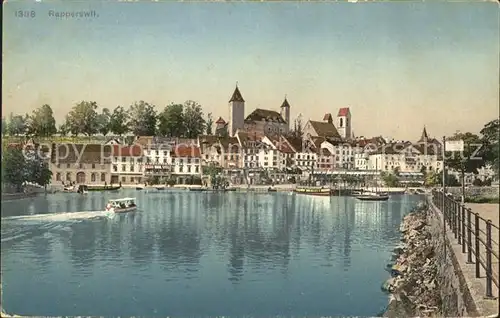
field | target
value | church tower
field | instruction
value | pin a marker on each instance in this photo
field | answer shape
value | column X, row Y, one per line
column 285, row 113
column 344, row 123
column 236, row 112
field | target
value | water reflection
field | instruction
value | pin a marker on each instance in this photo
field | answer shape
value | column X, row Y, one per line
column 244, row 240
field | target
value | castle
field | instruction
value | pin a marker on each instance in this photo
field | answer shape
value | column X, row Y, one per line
column 269, row 122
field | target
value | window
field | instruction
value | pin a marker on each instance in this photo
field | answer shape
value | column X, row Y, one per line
column 341, row 122
column 196, row 168
column 68, row 165
column 124, row 159
column 93, row 166
column 93, row 177
column 123, row 168
column 58, row 176
column 123, row 179
column 132, row 179
column 103, row 177
column 115, row 168
column 180, row 168
column 68, row 176
column 165, row 153
column 131, row 168
column 189, row 169
column 164, row 160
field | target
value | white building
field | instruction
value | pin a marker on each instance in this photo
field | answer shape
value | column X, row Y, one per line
column 127, row 164
column 344, row 126
column 186, row 163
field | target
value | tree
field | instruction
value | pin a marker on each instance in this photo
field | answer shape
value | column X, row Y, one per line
column 432, row 179
column 118, row 121
column 17, row 125
column 171, row 121
column 390, row 179
column 82, row 119
column 193, row 119
column 490, row 139
column 103, row 121
column 209, row 124
column 41, row 122
column 4, row 126
column 142, row 119
column 37, row 168
column 14, row 167
column 298, row 127
column 465, row 162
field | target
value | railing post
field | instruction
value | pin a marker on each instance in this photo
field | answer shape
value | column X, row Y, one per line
column 458, row 220
column 469, row 236
column 462, row 210
column 476, row 247
column 489, row 271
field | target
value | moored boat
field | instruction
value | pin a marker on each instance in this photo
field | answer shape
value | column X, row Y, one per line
column 319, row 191
column 271, row 189
column 121, row 205
column 198, row 189
column 69, row 189
column 103, row 188
column 82, row 189
column 139, row 188
column 372, row 196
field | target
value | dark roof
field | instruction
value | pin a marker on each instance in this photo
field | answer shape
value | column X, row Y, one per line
column 186, row 151
column 328, row 117
column 325, row 129
column 236, row 96
column 230, row 144
column 285, row 103
column 295, row 142
column 343, row 111
column 127, row 151
column 220, row 121
column 90, row 153
column 424, row 135
column 265, row 115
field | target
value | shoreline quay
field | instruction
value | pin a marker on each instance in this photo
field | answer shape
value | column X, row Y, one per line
column 413, row 287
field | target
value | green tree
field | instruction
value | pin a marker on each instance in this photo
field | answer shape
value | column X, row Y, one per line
column 209, row 124
column 432, row 178
column 171, row 121
column 13, row 167
column 142, row 119
column 194, row 122
column 37, row 169
column 466, row 161
column 118, row 121
column 103, row 121
column 298, row 127
column 390, row 179
column 64, row 130
column 4, row 126
column 41, row 122
column 490, row 136
column 17, row 125
column 82, row 119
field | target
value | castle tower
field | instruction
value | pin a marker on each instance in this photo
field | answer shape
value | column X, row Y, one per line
column 285, row 113
column 424, row 137
column 344, row 123
column 236, row 112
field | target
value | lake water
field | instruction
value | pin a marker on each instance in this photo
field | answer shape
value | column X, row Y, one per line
column 187, row 253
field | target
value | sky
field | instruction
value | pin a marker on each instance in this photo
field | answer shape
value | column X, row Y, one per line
column 397, row 65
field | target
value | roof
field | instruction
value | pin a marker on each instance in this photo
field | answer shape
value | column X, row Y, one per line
column 343, row 111
column 265, row 115
column 186, row 151
column 86, row 153
column 295, row 142
column 328, row 117
column 324, row 129
column 127, row 151
column 282, row 144
column 324, row 152
column 285, row 103
column 236, row 96
column 424, row 135
column 220, row 121
column 124, row 199
column 230, row 144
column 144, row 140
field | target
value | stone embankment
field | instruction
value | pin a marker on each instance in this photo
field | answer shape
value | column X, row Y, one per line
column 414, row 282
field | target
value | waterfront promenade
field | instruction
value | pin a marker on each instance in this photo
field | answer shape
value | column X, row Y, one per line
column 486, row 306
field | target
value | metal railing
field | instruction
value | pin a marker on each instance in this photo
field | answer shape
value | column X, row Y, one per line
column 476, row 237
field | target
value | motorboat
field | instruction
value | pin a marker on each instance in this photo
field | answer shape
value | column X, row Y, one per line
column 121, row 205
column 317, row 191
column 69, row 189
column 372, row 196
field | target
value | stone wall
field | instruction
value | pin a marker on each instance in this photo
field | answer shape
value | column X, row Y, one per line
column 427, row 279
column 486, row 192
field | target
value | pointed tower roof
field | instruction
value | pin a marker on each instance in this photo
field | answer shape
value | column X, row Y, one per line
column 220, row 121
column 236, row 96
column 285, row 103
column 424, row 135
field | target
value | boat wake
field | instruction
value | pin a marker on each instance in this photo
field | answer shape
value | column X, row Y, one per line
column 61, row 216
